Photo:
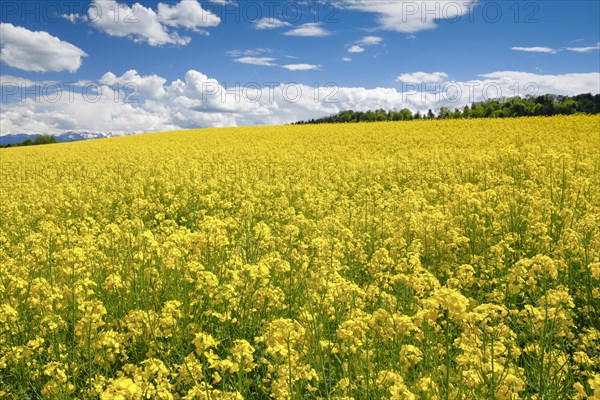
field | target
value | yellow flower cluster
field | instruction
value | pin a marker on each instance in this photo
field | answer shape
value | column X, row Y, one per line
column 451, row 259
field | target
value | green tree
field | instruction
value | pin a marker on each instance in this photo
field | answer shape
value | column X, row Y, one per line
column 44, row 139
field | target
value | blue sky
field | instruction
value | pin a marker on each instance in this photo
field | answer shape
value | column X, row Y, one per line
column 371, row 51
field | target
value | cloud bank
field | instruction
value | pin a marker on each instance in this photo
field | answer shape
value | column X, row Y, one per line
column 132, row 103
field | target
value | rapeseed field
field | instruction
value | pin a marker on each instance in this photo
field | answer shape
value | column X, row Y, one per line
column 413, row 260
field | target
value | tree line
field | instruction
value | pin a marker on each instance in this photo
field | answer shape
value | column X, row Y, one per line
column 544, row 105
column 40, row 139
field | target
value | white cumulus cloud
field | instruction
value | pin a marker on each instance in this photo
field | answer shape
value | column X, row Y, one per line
column 269, row 23
column 359, row 45
column 411, row 16
column 423, row 77
column 369, row 41
column 37, row 51
column 301, row 67
column 356, row 49
column 145, row 25
column 188, row 14
column 566, row 84
column 310, row 29
column 151, row 86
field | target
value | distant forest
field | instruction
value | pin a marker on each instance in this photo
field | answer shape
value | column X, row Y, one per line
column 40, row 139
column 545, row 105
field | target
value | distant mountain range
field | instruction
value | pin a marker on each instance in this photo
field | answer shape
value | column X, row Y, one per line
column 61, row 137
